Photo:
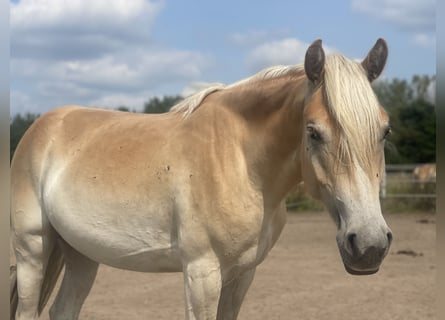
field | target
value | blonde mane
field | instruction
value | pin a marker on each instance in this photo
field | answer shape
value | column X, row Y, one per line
column 191, row 103
column 354, row 107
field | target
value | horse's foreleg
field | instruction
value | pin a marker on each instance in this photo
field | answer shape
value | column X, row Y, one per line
column 80, row 272
column 232, row 296
column 202, row 280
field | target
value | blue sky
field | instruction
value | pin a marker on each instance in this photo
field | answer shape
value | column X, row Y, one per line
column 108, row 53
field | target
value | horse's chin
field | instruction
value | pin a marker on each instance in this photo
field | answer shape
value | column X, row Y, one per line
column 360, row 272
column 360, row 266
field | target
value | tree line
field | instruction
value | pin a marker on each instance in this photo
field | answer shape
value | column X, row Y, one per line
column 410, row 104
column 411, row 107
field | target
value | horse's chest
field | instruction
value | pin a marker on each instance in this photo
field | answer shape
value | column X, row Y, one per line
column 269, row 236
column 266, row 238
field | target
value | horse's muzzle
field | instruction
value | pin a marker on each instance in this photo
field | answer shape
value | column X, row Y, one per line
column 361, row 259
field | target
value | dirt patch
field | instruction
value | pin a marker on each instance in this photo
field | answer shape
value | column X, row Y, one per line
column 302, row 278
column 409, row 252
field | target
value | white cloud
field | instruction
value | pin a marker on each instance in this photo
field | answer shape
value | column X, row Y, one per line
column 97, row 14
column 282, row 52
column 424, row 40
column 21, row 103
column 93, row 81
column 91, row 52
column 409, row 15
column 431, row 92
column 196, row 86
column 287, row 51
column 59, row 29
column 117, row 100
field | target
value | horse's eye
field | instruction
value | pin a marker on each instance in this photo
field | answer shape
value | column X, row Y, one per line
column 313, row 133
column 387, row 132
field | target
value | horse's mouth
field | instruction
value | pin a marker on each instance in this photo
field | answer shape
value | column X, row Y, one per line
column 360, row 272
column 366, row 264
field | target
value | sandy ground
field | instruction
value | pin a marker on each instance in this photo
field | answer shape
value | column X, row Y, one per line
column 302, row 278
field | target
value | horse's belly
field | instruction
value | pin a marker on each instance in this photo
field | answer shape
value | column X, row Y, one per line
column 145, row 251
column 146, row 260
column 139, row 240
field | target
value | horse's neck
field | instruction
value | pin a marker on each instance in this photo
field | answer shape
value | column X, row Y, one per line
column 272, row 110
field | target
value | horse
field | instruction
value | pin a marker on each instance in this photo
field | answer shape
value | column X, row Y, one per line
column 199, row 189
column 425, row 173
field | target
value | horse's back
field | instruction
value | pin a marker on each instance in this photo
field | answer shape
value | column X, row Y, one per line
column 70, row 131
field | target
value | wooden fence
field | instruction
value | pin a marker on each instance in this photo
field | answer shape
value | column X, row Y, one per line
column 400, row 190
column 400, row 182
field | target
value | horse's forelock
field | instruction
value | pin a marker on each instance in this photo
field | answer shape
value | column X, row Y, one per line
column 354, row 108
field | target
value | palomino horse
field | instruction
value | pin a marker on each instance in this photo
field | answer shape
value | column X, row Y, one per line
column 425, row 173
column 200, row 189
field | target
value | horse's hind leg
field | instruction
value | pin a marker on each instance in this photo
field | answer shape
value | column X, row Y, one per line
column 80, row 272
column 33, row 239
column 30, row 271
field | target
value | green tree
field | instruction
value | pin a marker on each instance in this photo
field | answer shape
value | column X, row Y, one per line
column 420, row 85
column 18, row 127
column 416, row 140
column 394, row 94
column 123, row 108
column 412, row 117
column 156, row 105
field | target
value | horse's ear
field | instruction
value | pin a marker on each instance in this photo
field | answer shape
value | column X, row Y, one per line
column 376, row 59
column 314, row 62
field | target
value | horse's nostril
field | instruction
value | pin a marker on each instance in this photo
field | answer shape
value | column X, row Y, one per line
column 389, row 235
column 351, row 241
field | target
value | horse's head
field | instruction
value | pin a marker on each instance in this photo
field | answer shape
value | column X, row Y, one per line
column 343, row 157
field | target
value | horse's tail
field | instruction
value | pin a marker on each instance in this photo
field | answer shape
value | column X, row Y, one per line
column 13, row 297
column 53, row 269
